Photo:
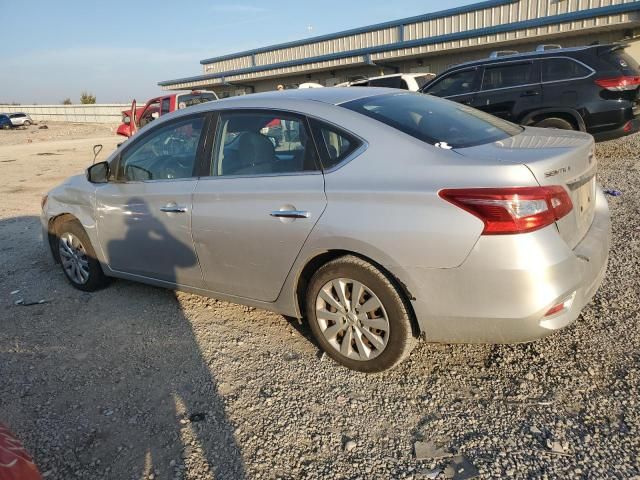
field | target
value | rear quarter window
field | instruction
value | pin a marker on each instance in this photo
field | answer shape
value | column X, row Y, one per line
column 555, row 69
column 434, row 120
column 334, row 144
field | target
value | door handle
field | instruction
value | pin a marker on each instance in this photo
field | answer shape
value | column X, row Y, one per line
column 290, row 214
column 173, row 208
column 530, row 93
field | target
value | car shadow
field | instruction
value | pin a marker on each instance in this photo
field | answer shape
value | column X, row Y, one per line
column 110, row 384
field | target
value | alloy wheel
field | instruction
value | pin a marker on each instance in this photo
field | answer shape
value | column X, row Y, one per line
column 73, row 256
column 352, row 319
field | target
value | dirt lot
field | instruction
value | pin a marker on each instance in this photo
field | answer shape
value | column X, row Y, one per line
column 135, row 382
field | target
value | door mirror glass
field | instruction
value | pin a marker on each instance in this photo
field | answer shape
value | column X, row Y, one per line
column 98, row 173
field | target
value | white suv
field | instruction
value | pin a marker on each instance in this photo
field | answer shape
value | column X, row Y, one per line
column 406, row 81
column 20, row 119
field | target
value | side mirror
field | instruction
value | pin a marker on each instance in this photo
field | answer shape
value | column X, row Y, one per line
column 98, row 173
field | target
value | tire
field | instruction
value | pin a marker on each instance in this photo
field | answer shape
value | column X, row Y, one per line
column 554, row 122
column 6, row 127
column 78, row 258
column 27, row 123
column 380, row 336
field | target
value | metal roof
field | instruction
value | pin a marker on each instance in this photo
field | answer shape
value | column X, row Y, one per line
column 370, row 28
column 621, row 8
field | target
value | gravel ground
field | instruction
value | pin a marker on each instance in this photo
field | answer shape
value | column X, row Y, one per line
column 135, row 382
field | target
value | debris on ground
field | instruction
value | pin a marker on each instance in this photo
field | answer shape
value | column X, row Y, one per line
column 460, row 468
column 350, row 445
column 429, row 474
column 197, row 417
column 29, row 304
column 429, row 451
column 557, row 447
column 612, row 192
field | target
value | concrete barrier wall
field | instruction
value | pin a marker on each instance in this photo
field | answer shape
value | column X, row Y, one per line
column 98, row 113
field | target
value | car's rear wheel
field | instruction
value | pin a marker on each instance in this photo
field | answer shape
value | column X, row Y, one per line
column 78, row 258
column 358, row 316
column 554, row 122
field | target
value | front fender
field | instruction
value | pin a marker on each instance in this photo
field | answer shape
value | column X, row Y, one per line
column 76, row 198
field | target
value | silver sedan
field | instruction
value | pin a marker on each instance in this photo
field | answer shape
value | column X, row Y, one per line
column 377, row 216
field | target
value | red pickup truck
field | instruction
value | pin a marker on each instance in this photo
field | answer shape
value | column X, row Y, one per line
column 158, row 106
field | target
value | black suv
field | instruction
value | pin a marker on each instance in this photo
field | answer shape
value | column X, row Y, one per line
column 593, row 88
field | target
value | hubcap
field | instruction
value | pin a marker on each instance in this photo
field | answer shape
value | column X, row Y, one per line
column 74, row 258
column 352, row 319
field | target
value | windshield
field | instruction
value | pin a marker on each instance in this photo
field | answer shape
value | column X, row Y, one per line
column 189, row 99
column 434, row 120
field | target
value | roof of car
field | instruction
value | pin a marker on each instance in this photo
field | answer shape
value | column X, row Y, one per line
column 535, row 53
column 329, row 95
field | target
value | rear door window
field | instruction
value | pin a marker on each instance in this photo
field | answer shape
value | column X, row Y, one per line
column 389, row 82
column 507, row 75
column 434, row 120
column 456, row 83
column 555, row 69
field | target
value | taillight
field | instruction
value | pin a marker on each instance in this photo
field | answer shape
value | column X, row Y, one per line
column 619, row 84
column 513, row 209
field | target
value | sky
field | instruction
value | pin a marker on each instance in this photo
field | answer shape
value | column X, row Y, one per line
column 119, row 50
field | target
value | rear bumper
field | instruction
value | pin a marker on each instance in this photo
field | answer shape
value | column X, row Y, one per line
column 500, row 294
column 628, row 128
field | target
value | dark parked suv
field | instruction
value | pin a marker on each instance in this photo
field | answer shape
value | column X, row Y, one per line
column 593, row 88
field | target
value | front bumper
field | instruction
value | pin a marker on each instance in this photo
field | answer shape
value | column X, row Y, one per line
column 502, row 291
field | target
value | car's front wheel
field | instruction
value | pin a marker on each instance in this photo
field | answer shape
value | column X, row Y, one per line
column 78, row 258
column 358, row 316
column 27, row 123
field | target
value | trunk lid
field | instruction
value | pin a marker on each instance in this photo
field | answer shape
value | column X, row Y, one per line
column 554, row 157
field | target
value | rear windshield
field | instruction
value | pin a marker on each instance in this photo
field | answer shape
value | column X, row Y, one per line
column 435, row 120
column 190, row 99
column 422, row 80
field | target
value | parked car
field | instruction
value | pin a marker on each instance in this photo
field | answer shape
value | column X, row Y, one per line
column 159, row 106
column 385, row 215
column 5, row 122
column 20, row 119
column 593, row 89
column 405, row 81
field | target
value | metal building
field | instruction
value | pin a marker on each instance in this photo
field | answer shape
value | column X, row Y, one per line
column 426, row 43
